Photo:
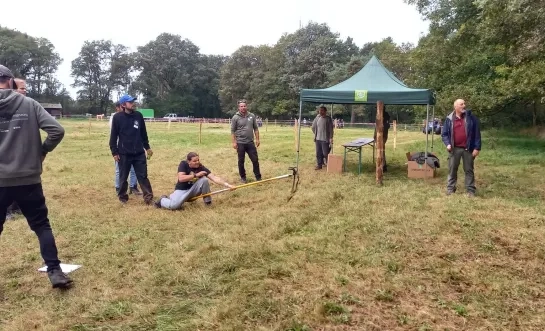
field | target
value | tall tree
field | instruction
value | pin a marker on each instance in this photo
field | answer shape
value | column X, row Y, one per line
column 168, row 68
column 101, row 68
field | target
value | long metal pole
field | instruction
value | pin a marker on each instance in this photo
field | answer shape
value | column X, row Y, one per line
column 299, row 134
column 433, row 121
column 427, row 130
column 239, row 186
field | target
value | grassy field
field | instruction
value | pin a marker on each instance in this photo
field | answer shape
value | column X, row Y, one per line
column 343, row 254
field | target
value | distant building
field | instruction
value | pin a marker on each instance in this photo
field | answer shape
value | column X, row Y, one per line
column 54, row 109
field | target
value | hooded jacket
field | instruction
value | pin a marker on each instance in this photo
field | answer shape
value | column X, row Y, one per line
column 473, row 131
column 21, row 147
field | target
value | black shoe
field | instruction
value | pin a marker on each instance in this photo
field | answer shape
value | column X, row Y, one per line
column 134, row 190
column 243, row 180
column 257, row 179
column 450, row 192
column 318, row 168
column 59, row 279
column 158, row 202
column 470, row 194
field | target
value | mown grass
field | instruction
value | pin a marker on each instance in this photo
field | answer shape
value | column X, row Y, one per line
column 343, row 254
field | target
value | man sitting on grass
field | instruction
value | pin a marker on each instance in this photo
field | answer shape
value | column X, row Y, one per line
column 192, row 181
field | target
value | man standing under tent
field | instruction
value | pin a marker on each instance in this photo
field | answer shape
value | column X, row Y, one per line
column 132, row 178
column 386, row 118
column 21, row 119
column 461, row 135
column 243, row 127
column 128, row 140
column 192, row 181
column 322, row 127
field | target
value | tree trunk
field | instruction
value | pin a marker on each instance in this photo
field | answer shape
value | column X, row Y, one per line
column 353, row 114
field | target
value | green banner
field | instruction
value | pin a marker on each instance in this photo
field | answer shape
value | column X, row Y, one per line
column 360, row 95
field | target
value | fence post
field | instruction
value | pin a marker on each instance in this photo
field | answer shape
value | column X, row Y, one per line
column 395, row 134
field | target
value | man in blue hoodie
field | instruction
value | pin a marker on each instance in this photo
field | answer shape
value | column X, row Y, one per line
column 21, row 119
column 461, row 135
column 129, row 144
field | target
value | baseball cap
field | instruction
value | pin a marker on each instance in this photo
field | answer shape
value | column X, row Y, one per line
column 126, row 98
column 5, row 72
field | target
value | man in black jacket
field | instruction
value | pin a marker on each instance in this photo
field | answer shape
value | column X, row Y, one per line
column 128, row 143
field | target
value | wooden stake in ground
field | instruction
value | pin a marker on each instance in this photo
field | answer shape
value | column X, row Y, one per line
column 200, row 132
column 395, row 134
column 266, row 124
column 90, row 125
column 379, row 143
column 169, row 120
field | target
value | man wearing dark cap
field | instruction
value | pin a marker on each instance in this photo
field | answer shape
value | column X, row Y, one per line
column 21, row 119
column 132, row 178
column 129, row 144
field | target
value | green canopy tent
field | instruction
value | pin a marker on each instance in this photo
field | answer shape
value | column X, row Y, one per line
column 373, row 83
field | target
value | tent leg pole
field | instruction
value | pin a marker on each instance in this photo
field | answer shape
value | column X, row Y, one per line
column 427, row 130
column 433, row 119
column 299, row 133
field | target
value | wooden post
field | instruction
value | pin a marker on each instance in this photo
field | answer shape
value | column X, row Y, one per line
column 380, row 141
column 395, row 134
column 275, row 123
column 169, row 120
column 200, row 132
column 89, row 125
column 266, row 124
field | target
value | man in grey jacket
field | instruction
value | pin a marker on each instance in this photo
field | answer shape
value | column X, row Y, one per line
column 21, row 119
column 322, row 127
column 243, row 127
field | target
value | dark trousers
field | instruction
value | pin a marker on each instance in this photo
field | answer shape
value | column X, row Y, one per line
column 454, row 158
column 14, row 208
column 31, row 200
column 322, row 151
column 242, row 149
column 138, row 162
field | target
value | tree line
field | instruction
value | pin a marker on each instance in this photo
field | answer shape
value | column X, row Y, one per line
column 491, row 53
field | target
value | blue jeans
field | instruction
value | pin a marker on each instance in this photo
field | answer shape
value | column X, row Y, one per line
column 132, row 177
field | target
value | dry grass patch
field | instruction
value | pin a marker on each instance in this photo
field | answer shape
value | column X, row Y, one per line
column 343, row 254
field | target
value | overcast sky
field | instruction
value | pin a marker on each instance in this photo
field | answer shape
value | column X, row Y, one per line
column 215, row 26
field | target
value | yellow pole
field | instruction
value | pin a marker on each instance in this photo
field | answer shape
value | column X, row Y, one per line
column 239, row 186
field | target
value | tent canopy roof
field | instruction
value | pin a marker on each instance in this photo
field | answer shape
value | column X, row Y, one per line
column 371, row 84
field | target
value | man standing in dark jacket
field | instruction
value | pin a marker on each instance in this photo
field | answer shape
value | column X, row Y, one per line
column 461, row 135
column 21, row 155
column 128, row 143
